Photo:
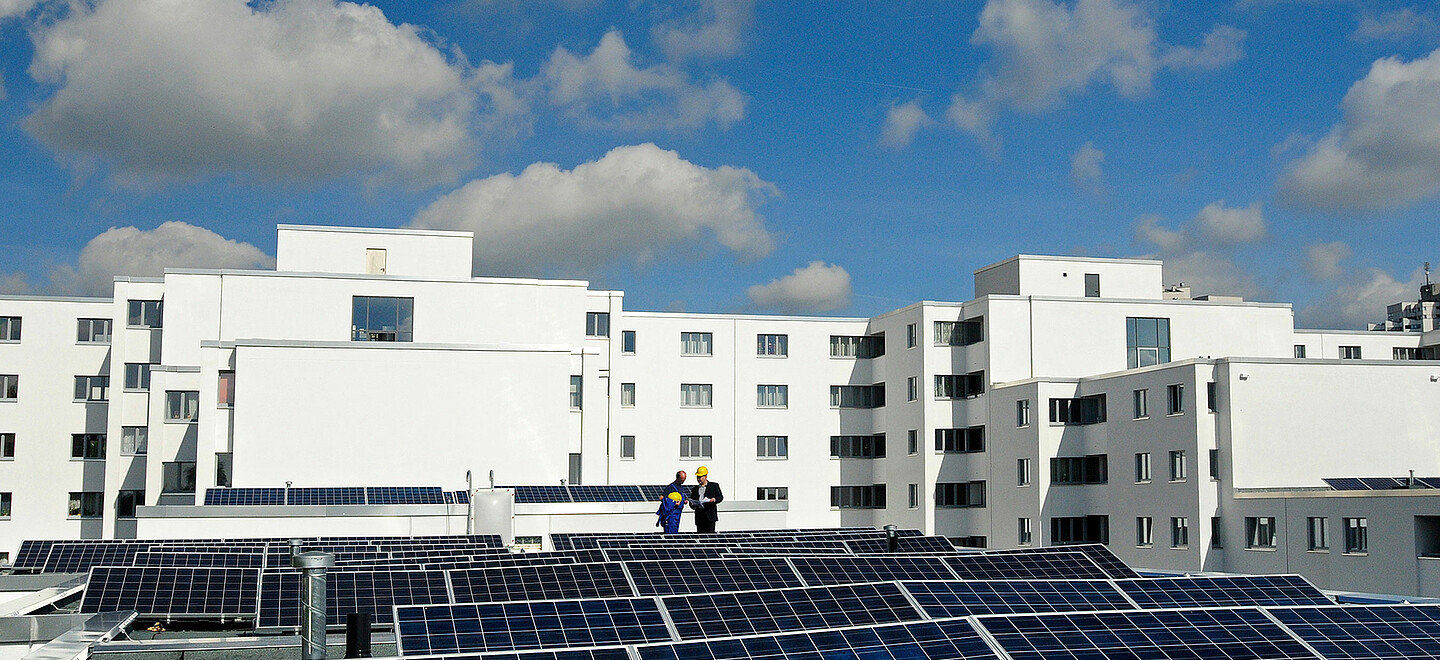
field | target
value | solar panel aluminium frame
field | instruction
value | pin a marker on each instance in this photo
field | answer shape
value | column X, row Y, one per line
column 1280, row 590
column 821, row 570
column 1097, row 552
column 465, row 584
column 650, row 578
column 586, row 611
column 948, row 639
column 1038, row 566
column 1365, row 627
column 140, row 584
column 929, row 596
column 790, row 609
column 279, row 594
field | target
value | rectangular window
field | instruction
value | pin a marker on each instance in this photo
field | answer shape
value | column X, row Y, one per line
column 1317, row 534
column 225, row 394
column 965, row 494
column 695, row 446
column 1259, row 532
column 145, row 314
column 9, row 328
column 137, row 376
column 1300, row 350
column 1145, row 532
column 378, row 318
column 1092, row 285
column 912, row 442
column 1406, row 353
column 5, row 504
column 1211, row 397
column 1092, row 469
column 1147, row 341
column 1142, row 467
column 959, row 333
column 914, row 496
column 92, row 331
column 177, row 477
column 7, row 446
column 1215, row 464
column 1178, row 470
column 910, row 335
column 1217, row 539
column 1142, row 403
column 1349, row 352
column 597, row 324
column 92, row 388
column 766, row 493
column 224, row 470
column 627, row 447
column 627, row 342
column 863, row 346
column 9, row 387
column 577, row 466
column 858, row 497
column 960, row 386
column 772, row 396
column 1179, row 532
column 772, row 345
column 857, row 446
column 1027, row 534
column 912, row 388
column 126, row 502
column 86, row 505
column 857, row 396
column 695, row 395
column 1079, row 529
column 960, row 441
column 1078, row 412
column 1022, row 472
column 1357, row 536
column 134, row 440
column 181, row 406
column 90, row 446
column 627, row 395
column 577, row 392
column 1174, row 399
column 1022, row 413
column 772, row 446
column 697, row 343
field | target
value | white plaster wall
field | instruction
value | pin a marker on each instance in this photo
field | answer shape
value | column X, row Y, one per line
column 409, row 252
column 1033, row 275
column 1325, row 344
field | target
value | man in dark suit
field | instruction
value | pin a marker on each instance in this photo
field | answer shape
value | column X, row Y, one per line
column 703, row 498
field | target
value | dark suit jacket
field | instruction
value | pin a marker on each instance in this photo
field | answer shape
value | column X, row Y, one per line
column 707, row 512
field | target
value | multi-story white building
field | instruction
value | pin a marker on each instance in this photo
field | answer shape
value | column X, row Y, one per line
column 1073, row 399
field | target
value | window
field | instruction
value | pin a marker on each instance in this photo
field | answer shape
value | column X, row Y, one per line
column 1217, row 539
column 1092, row 285
column 964, row 386
column 5, row 504
column 375, row 318
column 1299, row 350
column 9, row 328
column 90, row 446
column 959, row 333
column 914, row 490
column 910, row 335
column 858, row 497
column 134, row 440
column 1404, row 353
column 86, row 505
column 127, row 501
column 857, row 446
column 912, row 442
column 1318, row 534
column 1142, row 403
column 695, row 446
column 92, row 388
column 772, row 345
column 627, row 395
column 1178, row 470
column 137, row 376
column 765, row 493
column 224, row 470
column 962, row 441
column 912, row 388
column 1145, row 532
column 695, row 395
column 181, row 406
column 178, row 477
column 92, row 331
column 1259, row 532
column 1022, row 472
column 857, row 396
column 1142, row 467
column 9, row 387
column 577, row 392
column 1022, row 413
column 1092, row 469
column 1080, row 529
column 772, row 446
column 772, row 396
column 1174, row 399
column 7, row 446
column 597, row 324
column 866, row 346
column 145, row 314
column 1349, row 352
column 1357, row 536
column 627, row 342
column 1211, row 397
column 696, row 343
column 1215, row 464
column 627, row 447
column 225, row 396
column 965, row 494
column 1078, row 412
column 1026, row 535
column 1179, row 532
column 1147, row 341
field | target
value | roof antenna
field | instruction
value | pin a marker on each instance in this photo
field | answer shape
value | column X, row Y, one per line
column 1427, row 273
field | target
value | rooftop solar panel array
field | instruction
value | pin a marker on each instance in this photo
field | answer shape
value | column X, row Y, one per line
column 1101, row 555
column 905, row 543
column 938, row 640
column 334, row 496
column 200, row 559
column 1381, row 483
column 373, row 592
column 1216, row 633
column 605, row 494
column 80, row 557
column 847, row 570
column 667, row 577
column 541, row 494
column 1071, row 565
column 950, row 598
column 474, row 628
column 489, row 585
column 244, row 496
column 324, row 496
column 1381, row 632
column 1223, row 591
column 786, row 610
column 635, row 554
column 404, row 495
column 173, row 592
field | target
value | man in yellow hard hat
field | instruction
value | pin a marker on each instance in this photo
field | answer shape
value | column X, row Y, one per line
column 703, row 498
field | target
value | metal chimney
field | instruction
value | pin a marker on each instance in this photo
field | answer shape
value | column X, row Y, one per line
column 313, row 566
column 892, row 538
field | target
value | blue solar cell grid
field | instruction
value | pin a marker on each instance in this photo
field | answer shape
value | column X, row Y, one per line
column 653, row 493
column 1223, row 591
column 462, row 497
column 930, row 640
column 1038, row 566
column 178, row 592
column 1378, row 632
column 605, row 494
column 1215, row 633
column 373, row 592
column 542, row 582
column 326, row 496
column 942, row 599
column 541, row 494
column 702, row 616
column 404, row 495
column 849, row 570
column 1099, row 554
column 244, row 496
column 534, row 625
column 200, row 559
column 669, row 576
column 81, row 556
column 32, row 555
column 905, row 543
column 449, row 497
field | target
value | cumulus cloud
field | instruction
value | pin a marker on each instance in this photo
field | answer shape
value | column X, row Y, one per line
column 1200, row 252
column 716, row 30
column 290, row 89
column 1223, row 46
column 1227, row 226
column 11, row 8
column 1394, row 25
column 629, row 205
column 1359, row 299
column 1085, row 166
column 818, row 287
column 605, row 89
column 1323, row 260
column 1386, row 151
column 902, row 122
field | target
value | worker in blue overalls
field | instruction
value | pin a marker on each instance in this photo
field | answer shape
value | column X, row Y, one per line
column 675, row 497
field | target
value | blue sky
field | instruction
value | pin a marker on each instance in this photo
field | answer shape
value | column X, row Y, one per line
column 839, row 157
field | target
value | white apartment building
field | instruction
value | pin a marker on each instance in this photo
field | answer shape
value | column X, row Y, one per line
column 1071, row 400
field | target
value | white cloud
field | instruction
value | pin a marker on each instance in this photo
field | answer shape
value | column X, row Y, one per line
column 139, row 252
column 717, row 30
column 14, row 283
column 1386, row 151
column 1361, row 298
column 1200, row 252
column 292, row 89
column 1323, row 260
column 11, row 8
column 631, row 204
column 1223, row 46
column 1394, row 25
column 606, row 89
column 1085, row 166
column 1226, row 226
column 818, row 287
column 902, row 122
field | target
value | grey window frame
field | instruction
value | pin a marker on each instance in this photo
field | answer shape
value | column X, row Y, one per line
column 1144, row 532
column 187, row 400
column 7, row 505
column 145, row 314
column 1144, row 473
column 857, row 346
column 697, row 446
column 126, row 510
column 627, row 447
column 627, row 395
column 137, row 376
column 914, row 491
column 577, row 392
column 912, row 333
column 10, row 327
column 1260, row 532
column 1085, row 470
column 912, row 442
column 700, row 344
column 1147, row 341
column 772, row 447
column 361, row 330
column 1175, row 399
column 225, row 397
column 959, row 333
column 1300, row 351
column 176, row 477
column 858, row 446
column 87, row 446
column 1180, row 531
column 1357, row 535
column 857, row 396
column 772, row 493
column 85, row 331
column 597, row 324
column 627, row 342
column 858, row 496
column 92, row 389
column 772, row 396
column 966, row 440
column 1024, row 472
column 1351, row 353
column 1026, row 532
column 1179, row 466
column 1092, row 285
column 1022, row 413
column 960, row 495
column 85, row 504
column 1141, row 400
column 1078, row 411
column 1317, row 534
column 772, row 345
column 959, row 386
column 224, row 469
column 9, row 387
column 912, row 388
column 7, row 446
column 697, row 395
column 137, row 438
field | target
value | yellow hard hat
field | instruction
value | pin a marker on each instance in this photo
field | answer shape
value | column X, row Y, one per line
column 701, row 471
column 674, row 497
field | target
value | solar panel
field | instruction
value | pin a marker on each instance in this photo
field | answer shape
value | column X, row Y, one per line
column 905, row 543
column 1346, row 483
column 1383, row 483
column 541, row 494
column 941, row 599
column 404, row 495
column 462, row 497
column 545, row 582
column 204, row 559
column 605, row 494
column 667, row 577
column 643, row 554
column 1223, row 591
column 930, row 640
column 653, row 493
column 373, row 592
column 1212, row 633
column 484, row 627
column 700, row 616
column 847, row 570
column 1037, row 566
column 1101, row 555
column 31, row 555
column 757, row 551
column 244, row 496
column 172, row 592
column 1378, row 631
column 326, row 496
column 80, row 556
column 594, row 653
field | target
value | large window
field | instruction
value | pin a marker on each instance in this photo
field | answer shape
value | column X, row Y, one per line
column 858, row 497
column 178, row 477
column 772, row 446
column 960, row 386
column 9, row 387
column 1079, row 411
column 1260, row 532
column 764, row 493
column 1145, row 532
column 181, row 406
column 857, row 446
column 9, row 328
column 134, row 440
column 772, row 345
column 376, row 318
column 597, row 324
column 86, row 505
column 92, row 331
column 127, row 501
column 857, row 396
column 695, row 446
column 137, row 376
column 696, row 395
column 92, row 388
column 7, row 446
column 145, row 314
column 1092, row 469
column 1317, row 534
column 1357, row 536
column 863, row 346
column 965, row 494
column 1179, row 532
column 1147, row 341
column 627, row 395
column 90, row 446
column 627, row 447
column 959, row 333
column 1080, row 529
column 697, row 343
column 772, row 396
column 962, row 441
